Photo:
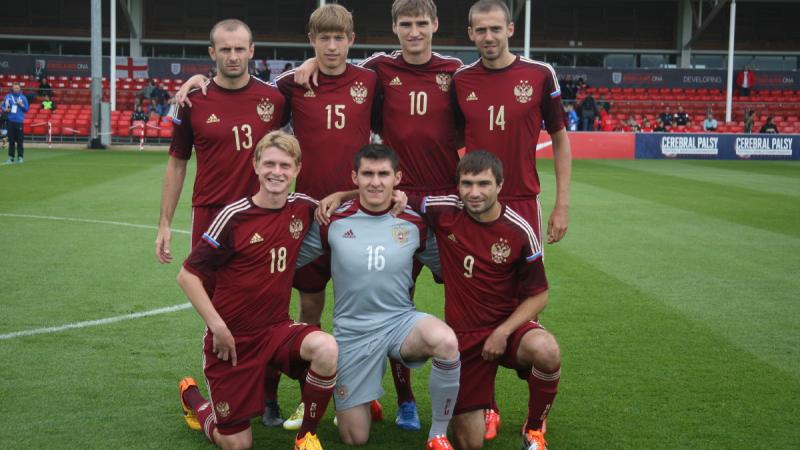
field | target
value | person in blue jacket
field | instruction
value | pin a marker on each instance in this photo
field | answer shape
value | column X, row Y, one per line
column 15, row 106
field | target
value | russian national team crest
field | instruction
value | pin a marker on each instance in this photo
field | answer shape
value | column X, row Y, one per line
column 443, row 81
column 296, row 228
column 501, row 251
column 223, row 409
column 400, row 234
column 265, row 109
column 359, row 92
column 523, row 91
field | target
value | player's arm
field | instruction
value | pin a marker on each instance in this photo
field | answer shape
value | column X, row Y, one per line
column 307, row 73
column 429, row 256
column 224, row 344
column 562, row 161
column 174, row 177
column 313, row 246
column 528, row 309
column 195, row 82
column 330, row 203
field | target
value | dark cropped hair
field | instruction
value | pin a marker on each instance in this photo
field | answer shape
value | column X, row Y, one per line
column 376, row 152
column 478, row 161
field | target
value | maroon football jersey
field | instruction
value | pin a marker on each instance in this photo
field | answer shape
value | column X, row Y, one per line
column 488, row 268
column 332, row 122
column 503, row 111
column 253, row 251
column 418, row 118
column 224, row 127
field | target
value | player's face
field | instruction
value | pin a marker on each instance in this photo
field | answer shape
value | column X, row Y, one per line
column 490, row 33
column 331, row 49
column 479, row 193
column 276, row 170
column 376, row 180
column 415, row 33
column 232, row 52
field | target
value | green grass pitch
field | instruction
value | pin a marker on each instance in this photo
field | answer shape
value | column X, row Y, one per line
column 675, row 298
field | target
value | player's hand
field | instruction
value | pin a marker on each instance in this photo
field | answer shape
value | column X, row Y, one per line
column 163, row 253
column 224, row 345
column 557, row 224
column 399, row 202
column 326, row 207
column 307, row 73
column 196, row 81
column 495, row 345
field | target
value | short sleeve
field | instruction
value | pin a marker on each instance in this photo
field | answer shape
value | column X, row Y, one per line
column 209, row 254
column 312, row 247
column 552, row 110
column 531, row 276
column 182, row 134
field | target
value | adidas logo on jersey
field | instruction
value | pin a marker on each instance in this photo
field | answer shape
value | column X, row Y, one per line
column 256, row 239
column 472, row 97
column 309, row 93
column 396, row 82
column 212, row 119
column 452, row 237
column 349, row 234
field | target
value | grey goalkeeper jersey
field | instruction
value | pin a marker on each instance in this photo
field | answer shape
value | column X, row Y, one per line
column 372, row 256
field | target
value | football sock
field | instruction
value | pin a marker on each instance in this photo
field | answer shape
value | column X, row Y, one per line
column 204, row 411
column 402, row 381
column 443, row 388
column 542, row 387
column 271, row 379
column 316, row 395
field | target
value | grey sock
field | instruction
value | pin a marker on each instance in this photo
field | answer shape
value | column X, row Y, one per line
column 443, row 388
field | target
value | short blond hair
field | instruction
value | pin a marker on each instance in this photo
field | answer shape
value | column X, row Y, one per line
column 330, row 18
column 413, row 8
column 282, row 141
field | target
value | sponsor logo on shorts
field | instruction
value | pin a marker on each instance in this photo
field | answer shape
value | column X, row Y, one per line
column 342, row 391
column 223, row 409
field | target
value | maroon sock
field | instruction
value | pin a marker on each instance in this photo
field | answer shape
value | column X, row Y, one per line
column 271, row 379
column 542, row 387
column 203, row 409
column 402, row 381
column 316, row 395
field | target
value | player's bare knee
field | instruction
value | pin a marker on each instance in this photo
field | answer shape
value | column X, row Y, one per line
column 239, row 441
column 327, row 352
column 447, row 347
column 546, row 353
column 468, row 440
column 354, row 436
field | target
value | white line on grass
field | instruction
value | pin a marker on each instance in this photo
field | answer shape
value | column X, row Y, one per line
column 74, row 219
column 93, row 323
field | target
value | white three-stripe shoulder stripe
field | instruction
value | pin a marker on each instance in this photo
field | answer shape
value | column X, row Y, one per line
column 370, row 58
column 299, row 195
column 468, row 66
column 451, row 58
column 285, row 74
column 268, row 83
column 442, row 200
column 546, row 66
column 225, row 215
column 512, row 215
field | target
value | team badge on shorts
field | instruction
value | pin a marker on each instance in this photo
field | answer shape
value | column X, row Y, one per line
column 400, row 234
column 443, row 81
column 523, row 91
column 265, row 109
column 342, row 391
column 223, row 409
column 296, row 227
column 359, row 92
column 500, row 251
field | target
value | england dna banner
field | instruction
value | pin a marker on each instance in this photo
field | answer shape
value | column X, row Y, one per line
column 717, row 146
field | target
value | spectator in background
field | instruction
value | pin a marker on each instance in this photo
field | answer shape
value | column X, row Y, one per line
column 768, row 127
column 572, row 118
column 710, row 124
column 666, row 117
column 48, row 104
column 606, row 124
column 580, row 86
column 45, row 89
column 39, row 71
column 749, row 120
column 660, row 127
column 681, row 118
column 647, row 127
column 603, row 103
column 15, row 106
column 139, row 114
column 155, row 109
column 631, row 125
column 147, row 92
column 745, row 80
column 568, row 92
column 160, row 94
column 588, row 110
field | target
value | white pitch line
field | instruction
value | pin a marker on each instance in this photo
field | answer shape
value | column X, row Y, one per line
column 74, row 219
column 93, row 323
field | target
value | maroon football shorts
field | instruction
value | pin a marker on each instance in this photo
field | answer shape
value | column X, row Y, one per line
column 202, row 216
column 237, row 393
column 314, row 276
column 476, row 389
column 531, row 210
